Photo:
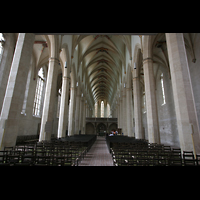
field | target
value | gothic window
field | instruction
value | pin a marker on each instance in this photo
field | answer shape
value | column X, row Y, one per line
column 59, row 100
column 2, row 41
column 102, row 109
column 163, row 90
column 38, row 93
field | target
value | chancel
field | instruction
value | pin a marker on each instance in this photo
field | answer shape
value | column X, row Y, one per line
column 63, row 94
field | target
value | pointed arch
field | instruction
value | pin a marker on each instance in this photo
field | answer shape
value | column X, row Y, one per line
column 65, row 59
column 137, row 52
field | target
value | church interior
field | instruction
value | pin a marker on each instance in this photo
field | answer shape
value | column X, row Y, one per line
column 129, row 99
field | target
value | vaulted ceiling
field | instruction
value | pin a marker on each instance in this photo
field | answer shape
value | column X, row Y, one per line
column 102, row 59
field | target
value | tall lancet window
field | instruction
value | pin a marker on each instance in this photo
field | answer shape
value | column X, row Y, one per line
column 102, row 109
column 2, row 41
column 163, row 90
column 39, row 93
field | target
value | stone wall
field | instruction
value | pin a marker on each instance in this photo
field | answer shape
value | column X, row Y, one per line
column 195, row 74
column 166, row 112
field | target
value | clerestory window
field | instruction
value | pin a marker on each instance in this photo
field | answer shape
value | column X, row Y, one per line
column 102, row 109
column 2, row 42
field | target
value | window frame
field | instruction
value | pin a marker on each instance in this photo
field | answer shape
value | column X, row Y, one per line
column 2, row 43
column 162, row 89
column 39, row 91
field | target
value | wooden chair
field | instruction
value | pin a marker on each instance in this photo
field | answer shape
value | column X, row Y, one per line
column 161, row 160
column 175, row 157
column 3, row 156
column 198, row 160
column 42, row 160
column 188, row 158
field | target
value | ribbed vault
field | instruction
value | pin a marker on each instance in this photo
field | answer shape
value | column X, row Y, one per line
column 102, row 59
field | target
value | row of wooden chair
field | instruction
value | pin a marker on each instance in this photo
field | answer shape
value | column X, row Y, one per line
column 141, row 153
column 51, row 153
column 64, row 155
column 153, row 158
column 38, row 158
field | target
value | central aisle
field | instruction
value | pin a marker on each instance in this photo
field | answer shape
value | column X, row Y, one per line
column 98, row 155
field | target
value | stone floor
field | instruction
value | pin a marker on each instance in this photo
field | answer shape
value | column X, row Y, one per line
column 98, row 155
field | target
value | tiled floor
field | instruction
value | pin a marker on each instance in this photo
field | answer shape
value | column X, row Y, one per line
column 98, row 155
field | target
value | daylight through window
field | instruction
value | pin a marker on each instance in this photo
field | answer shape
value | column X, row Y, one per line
column 38, row 93
column 2, row 41
column 102, row 109
column 163, row 91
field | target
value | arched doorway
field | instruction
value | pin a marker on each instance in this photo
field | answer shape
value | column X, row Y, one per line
column 101, row 129
column 112, row 126
column 90, row 129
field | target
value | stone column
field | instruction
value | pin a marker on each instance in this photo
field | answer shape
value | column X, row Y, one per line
column 49, row 100
column 151, row 103
column 120, row 112
column 99, row 109
column 14, row 96
column 124, row 119
column 5, row 64
column 129, row 104
column 93, row 111
column 84, row 111
column 81, row 114
column 182, row 92
column 72, row 111
column 115, row 111
column 90, row 112
column 105, row 109
column 63, row 117
column 137, row 108
column 77, row 111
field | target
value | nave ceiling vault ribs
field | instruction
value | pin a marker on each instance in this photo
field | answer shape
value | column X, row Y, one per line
column 161, row 58
column 189, row 44
column 101, row 57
